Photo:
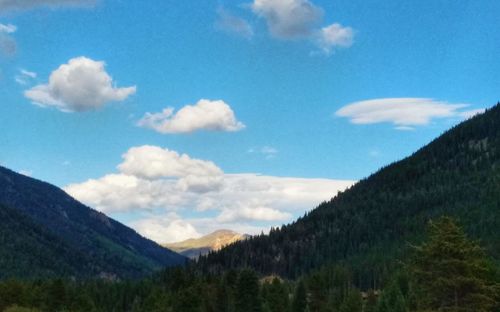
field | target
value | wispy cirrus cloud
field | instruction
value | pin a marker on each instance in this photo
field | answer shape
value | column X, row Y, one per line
column 8, row 5
column 404, row 113
column 204, row 115
column 158, row 181
column 269, row 152
column 8, row 45
column 24, row 77
column 80, row 85
column 7, row 28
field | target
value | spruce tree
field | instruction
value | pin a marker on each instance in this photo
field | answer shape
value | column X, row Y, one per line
column 451, row 272
column 276, row 296
column 247, row 292
column 391, row 299
column 299, row 303
column 353, row 302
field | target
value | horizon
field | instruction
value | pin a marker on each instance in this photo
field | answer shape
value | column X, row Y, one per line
column 232, row 119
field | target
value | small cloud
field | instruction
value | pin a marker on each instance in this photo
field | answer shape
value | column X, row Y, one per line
column 66, row 163
column 404, row 128
column 403, row 113
column 374, row 153
column 8, row 45
column 268, row 151
column 80, row 85
column 27, row 173
column 232, row 24
column 335, row 36
column 18, row 5
column 204, row 115
column 300, row 20
column 7, row 29
column 291, row 19
column 24, row 77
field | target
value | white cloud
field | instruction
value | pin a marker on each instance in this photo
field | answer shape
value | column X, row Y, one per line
column 333, row 36
column 153, row 162
column 166, row 229
column 6, row 5
column 24, row 77
column 169, row 182
column 288, row 19
column 8, row 45
column 80, row 85
column 403, row 113
column 7, row 29
column 471, row 113
column 269, row 152
column 28, row 73
column 204, row 115
column 232, row 24
column 256, row 213
column 300, row 19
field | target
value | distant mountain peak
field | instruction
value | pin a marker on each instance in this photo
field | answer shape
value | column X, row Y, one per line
column 193, row 247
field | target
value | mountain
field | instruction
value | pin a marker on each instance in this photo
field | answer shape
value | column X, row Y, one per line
column 194, row 247
column 44, row 232
column 369, row 226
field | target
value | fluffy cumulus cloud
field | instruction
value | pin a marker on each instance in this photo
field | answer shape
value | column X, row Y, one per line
column 232, row 24
column 152, row 179
column 153, row 162
column 80, row 85
column 204, row 115
column 301, row 19
column 166, row 229
column 288, row 19
column 6, row 5
column 403, row 113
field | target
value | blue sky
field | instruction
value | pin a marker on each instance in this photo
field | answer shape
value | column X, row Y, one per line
column 309, row 90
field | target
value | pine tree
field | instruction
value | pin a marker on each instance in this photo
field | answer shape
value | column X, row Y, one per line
column 299, row 303
column 392, row 299
column 247, row 292
column 276, row 296
column 451, row 272
column 353, row 302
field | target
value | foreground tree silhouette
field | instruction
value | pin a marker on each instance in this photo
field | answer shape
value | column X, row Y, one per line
column 248, row 292
column 451, row 272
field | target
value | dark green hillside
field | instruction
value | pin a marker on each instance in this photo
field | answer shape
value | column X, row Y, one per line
column 45, row 232
column 27, row 247
column 369, row 225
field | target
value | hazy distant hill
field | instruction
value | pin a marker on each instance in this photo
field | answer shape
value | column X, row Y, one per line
column 195, row 247
column 45, row 232
column 368, row 225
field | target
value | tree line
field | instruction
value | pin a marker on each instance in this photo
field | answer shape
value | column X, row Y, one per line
column 446, row 272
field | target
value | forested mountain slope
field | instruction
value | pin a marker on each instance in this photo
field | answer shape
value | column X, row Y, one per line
column 369, row 225
column 45, row 232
